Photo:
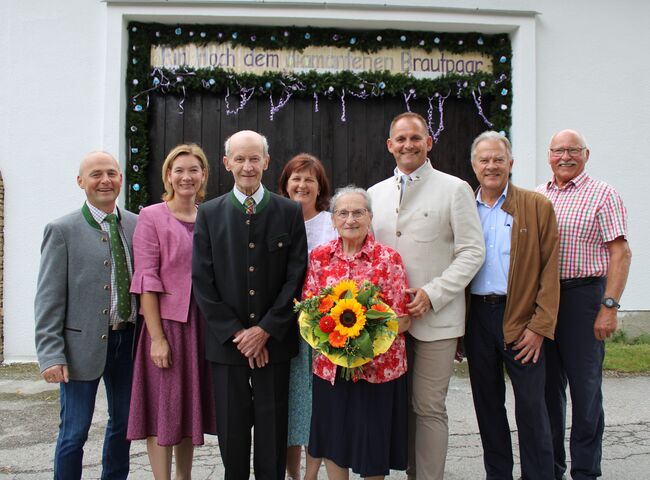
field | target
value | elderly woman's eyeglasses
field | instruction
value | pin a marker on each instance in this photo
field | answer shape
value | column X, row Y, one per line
column 356, row 214
column 573, row 151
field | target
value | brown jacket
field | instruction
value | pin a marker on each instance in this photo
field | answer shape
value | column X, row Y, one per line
column 534, row 273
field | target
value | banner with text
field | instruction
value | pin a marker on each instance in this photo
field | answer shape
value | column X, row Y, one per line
column 416, row 62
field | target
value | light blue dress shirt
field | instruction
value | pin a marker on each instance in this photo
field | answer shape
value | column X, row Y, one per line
column 492, row 278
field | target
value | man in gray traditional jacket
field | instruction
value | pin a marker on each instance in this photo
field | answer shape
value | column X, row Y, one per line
column 85, row 317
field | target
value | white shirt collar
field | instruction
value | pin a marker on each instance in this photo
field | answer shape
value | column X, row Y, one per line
column 257, row 196
column 413, row 175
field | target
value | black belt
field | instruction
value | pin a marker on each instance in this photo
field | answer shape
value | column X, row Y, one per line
column 577, row 282
column 121, row 326
column 491, row 299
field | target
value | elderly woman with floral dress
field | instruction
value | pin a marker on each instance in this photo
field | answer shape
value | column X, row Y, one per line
column 361, row 423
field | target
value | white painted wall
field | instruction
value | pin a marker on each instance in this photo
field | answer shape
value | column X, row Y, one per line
column 577, row 64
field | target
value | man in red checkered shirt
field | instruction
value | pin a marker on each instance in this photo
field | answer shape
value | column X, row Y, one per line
column 594, row 264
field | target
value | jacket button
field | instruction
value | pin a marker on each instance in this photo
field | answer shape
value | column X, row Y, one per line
column 106, row 263
column 397, row 210
column 251, row 316
column 105, row 311
column 248, row 222
column 251, row 292
column 280, row 244
column 251, row 245
column 104, row 337
column 399, row 234
column 107, row 287
column 251, row 268
column 104, row 239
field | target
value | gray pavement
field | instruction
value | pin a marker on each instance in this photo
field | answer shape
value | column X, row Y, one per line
column 29, row 415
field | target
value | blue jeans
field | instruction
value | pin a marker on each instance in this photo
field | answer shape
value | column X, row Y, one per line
column 78, row 405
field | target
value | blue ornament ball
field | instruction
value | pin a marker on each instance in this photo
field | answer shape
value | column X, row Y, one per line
column 234, row 35
column 203, row 34
column 134, row 61
column 138, row 108
column 273, row 39
column 480, row 41
column 307, row 36
column 178, row 31
column 403, row 38
column 436, row 40
column 504, row 91
column 212, row 81
column 134, row 29
column 156, row 80
column 134, row 150
column 503, row 59
column 136, row 187
column 382, row 85
column 267, row 85
column 353, row 40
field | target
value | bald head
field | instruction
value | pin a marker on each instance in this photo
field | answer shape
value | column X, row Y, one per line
column 576, row 136
column 248, row 137
column 100, row 177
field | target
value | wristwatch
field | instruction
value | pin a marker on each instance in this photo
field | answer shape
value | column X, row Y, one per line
column 609, row 302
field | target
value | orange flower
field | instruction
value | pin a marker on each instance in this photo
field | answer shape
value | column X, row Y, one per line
column 337, row 340
column 380, row 307
column 325, row 304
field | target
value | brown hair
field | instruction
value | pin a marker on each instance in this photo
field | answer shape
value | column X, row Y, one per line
column 184, row 149
column 414, row 116
column 305, row 161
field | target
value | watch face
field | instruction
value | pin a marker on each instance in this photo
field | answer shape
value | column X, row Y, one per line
column 609, row 302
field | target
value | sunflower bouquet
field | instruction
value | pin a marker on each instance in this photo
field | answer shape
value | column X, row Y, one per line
column 348, row 324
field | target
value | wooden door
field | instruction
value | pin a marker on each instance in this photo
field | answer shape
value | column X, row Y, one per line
column 353, row 152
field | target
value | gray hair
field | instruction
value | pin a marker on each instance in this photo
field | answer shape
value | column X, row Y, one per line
column 491, row 135
column 265, row 145
column 350, row 189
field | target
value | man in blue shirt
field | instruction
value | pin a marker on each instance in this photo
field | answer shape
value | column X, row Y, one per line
column 513, row 307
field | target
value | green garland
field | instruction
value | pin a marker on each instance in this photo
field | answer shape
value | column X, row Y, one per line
column 141, row 78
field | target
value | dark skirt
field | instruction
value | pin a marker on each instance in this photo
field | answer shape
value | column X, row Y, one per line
column 362, row 425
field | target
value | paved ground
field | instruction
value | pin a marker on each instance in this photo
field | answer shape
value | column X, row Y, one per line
column 29, row 413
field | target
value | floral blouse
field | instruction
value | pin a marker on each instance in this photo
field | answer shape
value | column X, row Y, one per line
column 381, row 265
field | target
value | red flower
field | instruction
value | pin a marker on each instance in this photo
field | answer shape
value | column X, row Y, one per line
column 327, row 324
column 380, row 307
column 337, row 340
column 325, row 304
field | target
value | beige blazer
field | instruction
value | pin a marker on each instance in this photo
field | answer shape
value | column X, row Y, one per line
column 437, row 231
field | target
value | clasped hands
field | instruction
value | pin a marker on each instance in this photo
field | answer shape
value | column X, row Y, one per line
column 251, row 342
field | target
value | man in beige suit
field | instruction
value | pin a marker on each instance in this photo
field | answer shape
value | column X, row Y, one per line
column 430, row 218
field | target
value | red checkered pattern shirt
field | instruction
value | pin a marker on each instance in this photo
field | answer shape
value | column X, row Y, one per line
column 589, row 214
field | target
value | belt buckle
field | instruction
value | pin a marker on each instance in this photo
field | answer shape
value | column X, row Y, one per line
column 119, row 326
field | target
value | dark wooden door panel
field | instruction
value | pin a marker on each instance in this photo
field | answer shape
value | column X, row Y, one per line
column 353, row 151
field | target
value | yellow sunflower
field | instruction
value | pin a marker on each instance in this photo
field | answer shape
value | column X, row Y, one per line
column 341, row 289
column 348, row 317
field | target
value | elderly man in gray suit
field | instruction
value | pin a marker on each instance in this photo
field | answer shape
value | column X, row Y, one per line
column 85, row 317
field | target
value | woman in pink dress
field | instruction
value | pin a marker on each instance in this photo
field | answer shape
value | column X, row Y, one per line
column 171, row 400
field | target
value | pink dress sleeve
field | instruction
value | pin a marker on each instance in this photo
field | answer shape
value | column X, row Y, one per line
column 146, row 256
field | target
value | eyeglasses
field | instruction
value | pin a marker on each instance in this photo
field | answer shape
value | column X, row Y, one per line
column 356, row 214
column 573, row 151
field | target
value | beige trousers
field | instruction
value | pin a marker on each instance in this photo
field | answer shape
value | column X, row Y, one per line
column 430, row 368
